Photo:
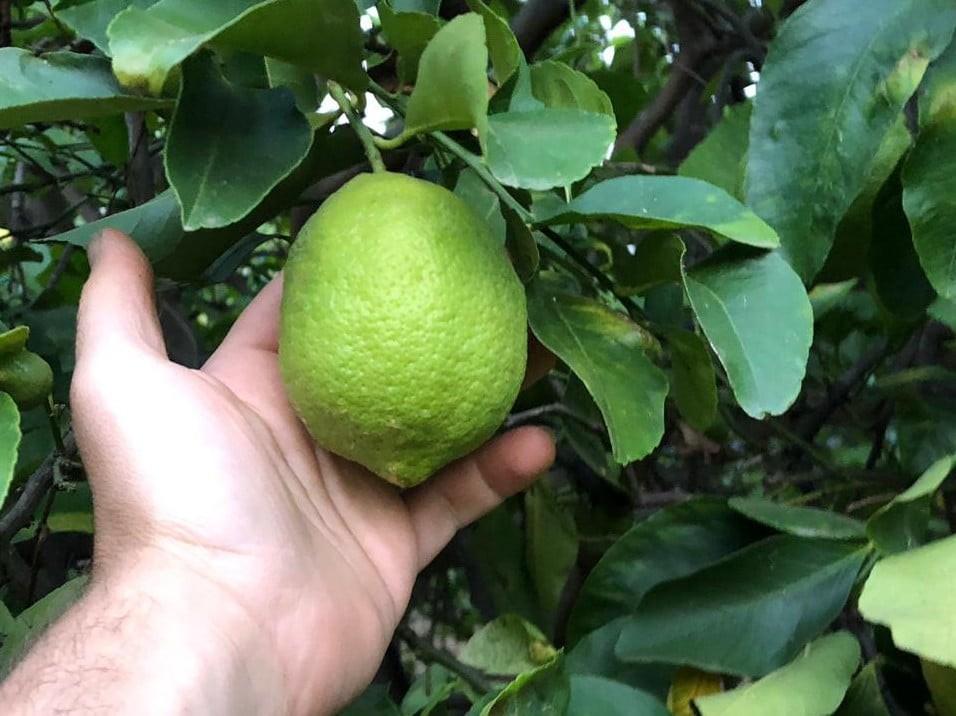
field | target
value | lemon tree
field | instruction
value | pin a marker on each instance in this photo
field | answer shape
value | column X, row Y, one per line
column 726, row 224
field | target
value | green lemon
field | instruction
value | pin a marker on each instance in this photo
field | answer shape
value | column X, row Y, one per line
column 26, row 377
column 403, row 327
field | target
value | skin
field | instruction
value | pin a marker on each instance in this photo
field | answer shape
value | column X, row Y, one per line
column 237, row 568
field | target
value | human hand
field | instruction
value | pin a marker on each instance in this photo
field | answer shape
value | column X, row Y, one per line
column 213, row 505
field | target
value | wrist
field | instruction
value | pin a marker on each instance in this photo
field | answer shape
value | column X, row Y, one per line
column 151, row 642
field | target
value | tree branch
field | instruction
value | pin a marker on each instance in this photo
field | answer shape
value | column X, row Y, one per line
column 536, row 20
column 473, row 677
column 36, row 486
column 696, row 44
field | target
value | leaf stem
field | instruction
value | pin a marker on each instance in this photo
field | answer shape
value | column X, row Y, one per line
column 363, row 132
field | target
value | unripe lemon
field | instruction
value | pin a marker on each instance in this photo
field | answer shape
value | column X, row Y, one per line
column 403, row 327
column 26, row 377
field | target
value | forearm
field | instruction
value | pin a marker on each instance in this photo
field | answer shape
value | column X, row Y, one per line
column 128, row 649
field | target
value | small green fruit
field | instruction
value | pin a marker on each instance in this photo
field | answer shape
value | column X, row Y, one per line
column 403, row 327
column 26, row 377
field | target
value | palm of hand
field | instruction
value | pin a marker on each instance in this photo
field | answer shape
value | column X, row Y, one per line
column 211, row 471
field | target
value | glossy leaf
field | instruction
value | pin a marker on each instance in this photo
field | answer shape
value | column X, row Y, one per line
column 156, row 226
column 749, row 614
column 474, row 192
column 656, row 260
column 594, row 654
column 374, row 701
column 552, row 545
column 545, row 148
column 825, row 297
column 606, row 351
column 9, row 442
column 60, row 86
column 693, row 379
column 812, row 685
column 409, row 33
column 545, row 691
column 799, row 521
column 509, row 645
column 721, row 158
column 758, row 319
column 864, row 697
column 603, row 697
column 502, row 44
column 904, row 522
column 556, row 84
column 229, row 146
column 928, row 178
column 451, row 91
column 911, row 593
column 666, row 202
column 813, row 135
column 322, row 35
column 90, row 19
column 672, row 543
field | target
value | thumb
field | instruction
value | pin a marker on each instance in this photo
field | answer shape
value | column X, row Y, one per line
column 117, row 307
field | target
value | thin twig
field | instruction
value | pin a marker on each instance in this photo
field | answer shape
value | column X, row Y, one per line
column 36, row 486
column 358, row 126
column 471, row 676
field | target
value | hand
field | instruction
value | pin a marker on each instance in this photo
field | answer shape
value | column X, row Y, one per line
column 213, row 505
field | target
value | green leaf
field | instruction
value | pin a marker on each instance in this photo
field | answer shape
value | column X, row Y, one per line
column 825, row 297
column 551, row 543
column 474, row 192
column 721, row 158
column 666, row 202
column 429, row 690
column 594, row 654
column 865, row 697
column 409, row 33
column 91, row 18
column 606, row 351
column 558, row 85
column 928, row 178
column 671, row 543
column 229, row 146
column 502, row 44
column 656, row 260
column 301, row 81
column 749, row 614
column 426, row 6
column 451, row 91
column 854, row 232
column 755, row 312
column 812, row 685
column 321, row 35
column 900, row 282
column 603, row 697
column 543, row 692
column 545, row 148
column 36, row 618
column 509, row 645
column 374, row 701
column 13, row 340
column 693, row 379
column 911, row 593
column 156, row 225
column 497, row 545
column 813, row 136
column 799, row 521
column 904, row 522
column 9, row 442
column 61, row 86
column 941, row 681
